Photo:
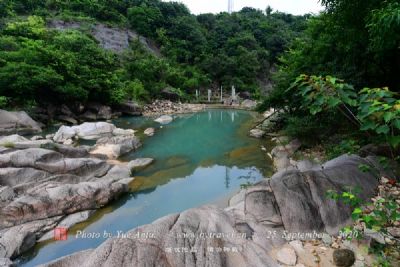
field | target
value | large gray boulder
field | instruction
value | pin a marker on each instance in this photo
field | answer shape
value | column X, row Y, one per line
column 17, row 122
column 54, row 199
column 140, row 163
column 302, row 199
column 53, row 162
column 19, row 239
column 63, row 134
column 196, row 233
column 68, row 222
column 90, row 131
column 93, row 130
column 116, row 146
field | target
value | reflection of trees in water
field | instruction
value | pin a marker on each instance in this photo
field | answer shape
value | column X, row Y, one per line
column 227, row 178
column 251, row 174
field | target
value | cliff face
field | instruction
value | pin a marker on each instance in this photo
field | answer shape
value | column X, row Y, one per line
column 110, row 38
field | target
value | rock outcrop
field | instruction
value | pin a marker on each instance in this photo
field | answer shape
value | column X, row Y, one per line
column 90, row 131
column 44, row 184
column 291, row 205
column 116, row 146
column 17, row 122
column 138, row 164
column 109, row 38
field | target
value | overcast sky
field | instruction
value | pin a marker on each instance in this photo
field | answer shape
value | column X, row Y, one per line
column 297, row 7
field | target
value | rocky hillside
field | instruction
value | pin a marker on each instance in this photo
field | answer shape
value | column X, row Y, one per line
column 110, row 38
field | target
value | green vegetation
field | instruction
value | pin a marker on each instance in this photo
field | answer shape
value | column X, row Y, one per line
column 324, row 79
column 338, row 85
column 39, row 64
column 53, row 66
column 374, row 217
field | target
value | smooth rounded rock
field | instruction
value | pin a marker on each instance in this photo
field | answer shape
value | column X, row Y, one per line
column 139, row 163
column 149, row 131
column 165, row 119
column 257, row 133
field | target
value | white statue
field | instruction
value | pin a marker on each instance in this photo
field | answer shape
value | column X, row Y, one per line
column 233, row 93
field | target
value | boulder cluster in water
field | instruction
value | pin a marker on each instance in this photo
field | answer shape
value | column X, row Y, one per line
column 45, row 183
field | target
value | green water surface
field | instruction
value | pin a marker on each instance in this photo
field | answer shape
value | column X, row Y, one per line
column 200, row 158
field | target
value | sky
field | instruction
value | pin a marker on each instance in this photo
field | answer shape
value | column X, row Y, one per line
column 296, row 7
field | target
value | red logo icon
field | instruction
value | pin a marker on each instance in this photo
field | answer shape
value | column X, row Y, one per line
column 60, row 233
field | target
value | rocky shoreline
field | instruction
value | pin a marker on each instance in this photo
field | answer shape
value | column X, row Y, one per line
column 160, row 107
column 285, row 220
column 50, row 182
column 282, row 221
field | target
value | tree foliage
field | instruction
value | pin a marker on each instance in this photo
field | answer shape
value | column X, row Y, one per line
column 353, row 40
column 199, row 52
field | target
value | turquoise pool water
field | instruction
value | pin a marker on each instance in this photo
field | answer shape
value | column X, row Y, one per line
column 199, row 159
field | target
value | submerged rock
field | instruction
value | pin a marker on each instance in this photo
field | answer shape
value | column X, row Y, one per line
column 114, row 147
column 149, row 131
column 165, row 119
column 138, row 164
